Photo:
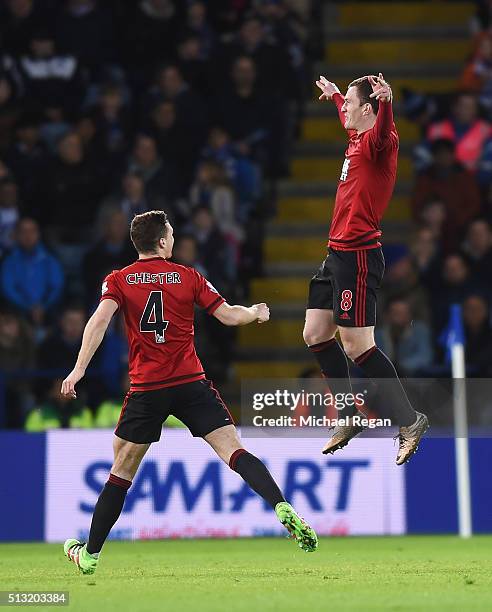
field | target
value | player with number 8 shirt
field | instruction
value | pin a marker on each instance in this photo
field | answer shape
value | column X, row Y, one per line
column 157, row 299
column 342, row 293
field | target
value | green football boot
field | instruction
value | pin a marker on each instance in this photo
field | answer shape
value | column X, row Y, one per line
column 301, row 532
column 76, row 552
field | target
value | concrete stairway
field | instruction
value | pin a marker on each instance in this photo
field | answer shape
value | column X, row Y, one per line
column 421, row 45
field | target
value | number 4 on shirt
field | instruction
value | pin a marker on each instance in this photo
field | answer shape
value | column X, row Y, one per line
column 153, row 317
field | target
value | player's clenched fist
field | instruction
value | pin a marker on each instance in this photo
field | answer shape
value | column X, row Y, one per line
column 262, row 312
column 327, row 87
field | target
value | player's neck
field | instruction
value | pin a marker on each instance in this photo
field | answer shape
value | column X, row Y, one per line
column 143, row 256
column 365, row 125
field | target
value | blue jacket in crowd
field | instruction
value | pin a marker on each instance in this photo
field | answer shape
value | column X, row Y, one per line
column 32, row 278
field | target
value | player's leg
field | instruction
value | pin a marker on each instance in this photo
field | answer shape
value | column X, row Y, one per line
column 319, row 334
column 139, row 425
column 329, row 354
column 200, row 407
column 319, row 326
column 360, row 346
column 254, row 472
column 228, row 447
column 127, row 458
column 357, row 336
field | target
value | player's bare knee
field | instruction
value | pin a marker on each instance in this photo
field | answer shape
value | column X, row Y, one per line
column 351, row 350
column 224, row 441
column 313, row 336
column 354, row 348
column 351, row 346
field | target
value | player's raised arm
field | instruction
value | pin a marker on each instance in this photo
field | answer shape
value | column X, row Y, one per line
column 207, row 297
column 331, row 92
column 93, row 334
column 242, row 315
column 381, row 134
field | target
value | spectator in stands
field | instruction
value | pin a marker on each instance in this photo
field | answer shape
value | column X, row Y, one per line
column 227, row 15
column 16, row 354
column 283, row 25
column 196, row 70
column 170, row 86
column 54, row 125
column 20, row 22
column 244, row 175
column 72, row 188
column 9, row 214
column 455, row 286
column 453, row 185
column 60, row 349
column 243, row 113
column 131, row 200
column 85, row 30
column 421, row 109
column 433, row 215
column 212, row 190
column 31, row 278
column 478, row 248
column 112, row 359
column 112, row 252
column 274, row 71
column 114, row 127
column 212, row 248
column 478, row 336
column 401, row 281
column 177, row 145
column 426, row 253
column 152, row 36
column 465, row 129
column 185, row 252
column 4, row 172
column 9, row 110
column 49, row 77
column 477, row 75
column 483, row 16
column 27, row 158
column 58, row 411
column 407, row 342
column 108, row 412
column 85, row 128
column 198, row 27
column 158, row 177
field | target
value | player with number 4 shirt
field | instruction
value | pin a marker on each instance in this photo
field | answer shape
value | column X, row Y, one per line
column 157, row 299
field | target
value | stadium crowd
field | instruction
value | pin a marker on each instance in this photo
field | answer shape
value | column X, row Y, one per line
column 112, row 108
column 449, row 255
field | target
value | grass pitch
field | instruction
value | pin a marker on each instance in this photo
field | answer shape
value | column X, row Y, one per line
column 403, row 573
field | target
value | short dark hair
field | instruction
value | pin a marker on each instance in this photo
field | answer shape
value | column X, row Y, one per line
column 147, row 229
column 364, row 91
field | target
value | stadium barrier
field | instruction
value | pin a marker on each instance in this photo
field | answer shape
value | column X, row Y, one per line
column 50, row 483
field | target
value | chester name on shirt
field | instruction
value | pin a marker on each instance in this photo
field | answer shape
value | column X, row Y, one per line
column 169, row 278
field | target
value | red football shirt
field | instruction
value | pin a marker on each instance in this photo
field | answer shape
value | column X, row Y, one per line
column 157, row 298
column 366, row 182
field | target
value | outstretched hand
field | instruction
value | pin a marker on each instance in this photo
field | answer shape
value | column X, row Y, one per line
column 380, row 88
column 68, row 385
column 327, row 87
